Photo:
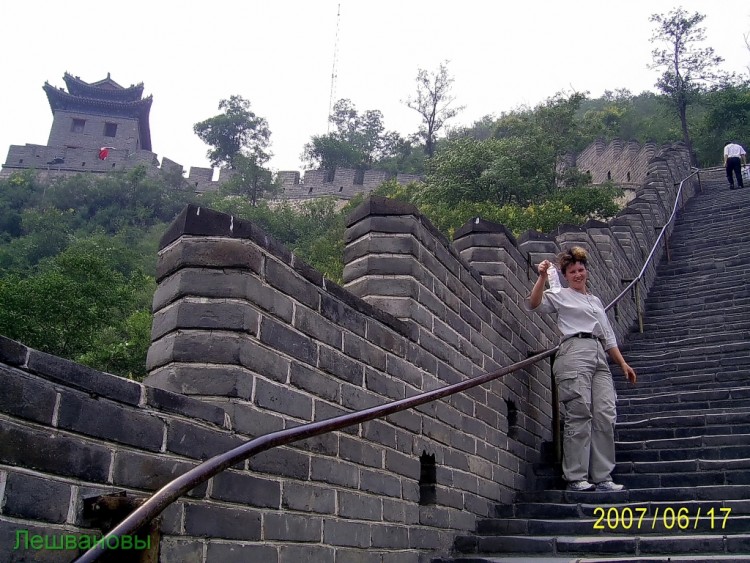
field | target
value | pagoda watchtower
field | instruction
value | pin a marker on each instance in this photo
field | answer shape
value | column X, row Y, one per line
column 99, row 114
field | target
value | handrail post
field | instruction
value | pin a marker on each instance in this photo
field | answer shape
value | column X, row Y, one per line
column 556, row 430
column 638, row 305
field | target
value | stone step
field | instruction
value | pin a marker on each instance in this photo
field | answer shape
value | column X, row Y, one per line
column 679, row 399
column 681, row 449
column 688, row 366
column 708, row 348
column 647, row 415
column 694, row 289
column 655, row 382
column 653, row 467
column 686, row 408
column 704, row 307
column 661, row 321
column 663, row 324
column 622, row 521
column 588, row 510
column 672, row 558
column 715, row 493
column 655, row 346
column 638, row 481
column 706, row 544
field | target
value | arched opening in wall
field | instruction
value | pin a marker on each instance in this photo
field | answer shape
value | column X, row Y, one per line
column 330, row 174
column 427, row 479
column 609, row 175
column 341, row 188
column 83, row 164
column 309, row 191
column 628, row 176
column 512, row 418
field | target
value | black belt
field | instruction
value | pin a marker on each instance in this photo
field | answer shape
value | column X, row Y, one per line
column 584, row 335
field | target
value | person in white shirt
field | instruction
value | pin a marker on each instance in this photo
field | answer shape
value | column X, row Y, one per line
column 734, row 160
column 582, row 375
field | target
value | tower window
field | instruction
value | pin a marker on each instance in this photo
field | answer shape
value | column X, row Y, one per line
column 110, row 129
column 77, row 125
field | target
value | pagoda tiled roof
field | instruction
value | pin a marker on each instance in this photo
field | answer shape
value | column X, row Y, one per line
column 89, row 101
column 106, row 89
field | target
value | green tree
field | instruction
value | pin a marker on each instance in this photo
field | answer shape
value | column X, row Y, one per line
column 250, row 180
column 359, row 140
column 236, row 131
column 726, row 117
column 62, row 308
column 686, row 68
column 434, row 103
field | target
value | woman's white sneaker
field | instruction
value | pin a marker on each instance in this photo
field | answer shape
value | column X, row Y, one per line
column 609, row 486
column 579, row 486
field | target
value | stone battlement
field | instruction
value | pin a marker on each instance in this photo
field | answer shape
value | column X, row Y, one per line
column 342, row 183
column 67, row 161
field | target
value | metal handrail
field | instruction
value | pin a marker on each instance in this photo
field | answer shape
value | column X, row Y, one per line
column 173, row 490
column 662, row 233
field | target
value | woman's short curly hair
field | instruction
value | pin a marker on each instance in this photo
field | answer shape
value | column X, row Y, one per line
column 571, row 256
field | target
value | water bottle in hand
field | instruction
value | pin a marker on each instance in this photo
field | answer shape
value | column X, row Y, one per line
column 553, row 280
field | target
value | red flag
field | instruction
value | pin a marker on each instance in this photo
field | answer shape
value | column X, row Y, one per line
column 104, row 152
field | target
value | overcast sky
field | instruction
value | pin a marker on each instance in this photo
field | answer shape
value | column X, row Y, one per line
column 279, row 55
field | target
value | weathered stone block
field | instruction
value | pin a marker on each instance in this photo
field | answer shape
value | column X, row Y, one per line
column 288, row 341
column 215, row 521
column 247, row 489
column 27, row 496
column 282, row 399
column 64, row 455
column 25, row 397
column 126, row 426
column 84, row 378
column 345, row 533
column 198, row 442
column 148, row 471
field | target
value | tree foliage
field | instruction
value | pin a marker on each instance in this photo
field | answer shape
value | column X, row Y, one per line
column 685, row 67
column 237, row 131
column 359, row 141
column 725, row 117
column 517, row 164
column 434, row 103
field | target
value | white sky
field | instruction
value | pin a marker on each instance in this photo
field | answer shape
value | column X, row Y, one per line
column 279, row 55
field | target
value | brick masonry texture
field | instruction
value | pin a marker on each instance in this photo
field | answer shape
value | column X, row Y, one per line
column 247, row 339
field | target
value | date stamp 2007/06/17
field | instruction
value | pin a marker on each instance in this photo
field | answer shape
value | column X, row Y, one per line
column 670, row 518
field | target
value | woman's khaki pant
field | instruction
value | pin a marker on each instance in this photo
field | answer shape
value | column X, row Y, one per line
column 587, row 394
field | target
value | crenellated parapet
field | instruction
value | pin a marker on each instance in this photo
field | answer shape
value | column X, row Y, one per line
column 625, row 163
column 343, row 183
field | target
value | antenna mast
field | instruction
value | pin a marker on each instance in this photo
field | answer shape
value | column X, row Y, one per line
column 333, row 70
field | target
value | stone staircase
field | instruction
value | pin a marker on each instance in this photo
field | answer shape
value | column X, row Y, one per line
column 683, row 432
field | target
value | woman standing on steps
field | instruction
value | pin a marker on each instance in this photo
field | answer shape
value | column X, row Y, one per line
column 582, row 375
